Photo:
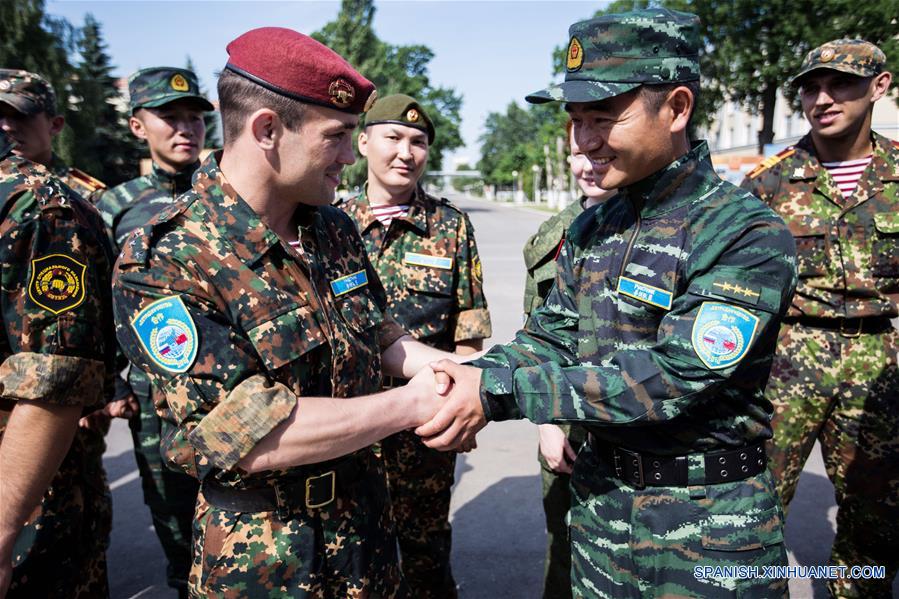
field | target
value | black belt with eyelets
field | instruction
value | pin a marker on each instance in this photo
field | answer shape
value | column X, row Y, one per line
column 847, row 327
column 646, row 470
column 317, row 490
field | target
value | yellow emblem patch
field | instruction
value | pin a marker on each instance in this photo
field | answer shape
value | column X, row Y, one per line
column 179, row 83
column 412, row 115
column 575, row 54
column 57, row 283
column 476, row 270
column 827, row 54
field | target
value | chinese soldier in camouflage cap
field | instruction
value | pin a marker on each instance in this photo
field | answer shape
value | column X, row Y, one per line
column 835, row 378
column 424, row 251
column 167, row 111
column 28, row 116
column 657, row 336
column 56, row 353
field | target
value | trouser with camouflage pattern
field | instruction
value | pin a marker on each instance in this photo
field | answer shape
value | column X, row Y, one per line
column 420, row 481
column 627, row 542
column 556, row 502
column 61, row 551
column 170, row 495
column 844, row 393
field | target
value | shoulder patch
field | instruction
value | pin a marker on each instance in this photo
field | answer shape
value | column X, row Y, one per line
column 167, row 334
column 722, row 334
column 771, row 161
column 57, row 283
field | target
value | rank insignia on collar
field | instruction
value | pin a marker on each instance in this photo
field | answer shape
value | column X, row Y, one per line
column 428, row 260
column 167, row 334
column 344, row 285
column 57, row 283
column 722, row 334
column 645, row 293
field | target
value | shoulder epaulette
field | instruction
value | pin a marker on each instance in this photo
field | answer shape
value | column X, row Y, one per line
column 771, row 161
column 92, row 183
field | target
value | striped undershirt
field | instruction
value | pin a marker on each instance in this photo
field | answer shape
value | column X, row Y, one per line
column 846, row 174
column 387, row 212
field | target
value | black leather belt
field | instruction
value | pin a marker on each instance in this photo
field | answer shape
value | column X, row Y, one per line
column 646, row 470
column 847, row 327
column 312, row 492
column 394, row 381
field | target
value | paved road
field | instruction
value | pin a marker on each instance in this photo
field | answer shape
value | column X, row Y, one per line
column 496, row 512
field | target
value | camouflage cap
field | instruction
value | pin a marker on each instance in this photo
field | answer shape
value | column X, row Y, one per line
column 401, row 109
column 155, row 86
column 856, row 57
column 28, row 93
column 615, row 53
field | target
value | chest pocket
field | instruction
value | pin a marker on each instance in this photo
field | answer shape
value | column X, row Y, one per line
column 359, row 310
column 284, row 337
column 429, row 301
column 811, row 251
column 885, row 249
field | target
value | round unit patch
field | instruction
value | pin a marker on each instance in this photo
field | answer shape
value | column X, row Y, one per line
column 722, row 334
column 179, row 83
column 57, row 282
column 167, row 334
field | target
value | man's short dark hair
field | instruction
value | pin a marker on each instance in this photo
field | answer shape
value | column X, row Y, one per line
column 654, row 96
column 239, row 98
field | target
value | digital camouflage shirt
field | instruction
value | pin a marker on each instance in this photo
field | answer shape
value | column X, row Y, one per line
column 233, row 325
column 429, row 265
column 87, row 187
column 662, row 322
column 847, row 249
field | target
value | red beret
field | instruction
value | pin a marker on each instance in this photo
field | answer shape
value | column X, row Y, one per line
column 295, row 65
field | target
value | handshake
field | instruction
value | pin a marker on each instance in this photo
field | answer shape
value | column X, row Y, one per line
column 447, row 404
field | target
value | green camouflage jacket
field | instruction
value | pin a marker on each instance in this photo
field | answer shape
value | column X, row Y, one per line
column 233, row 325
column 660, row 329
column 87, row 187
column 133, row 203
column 428, row 263
column 540, row 254
column 56, row 309
column 847, row 249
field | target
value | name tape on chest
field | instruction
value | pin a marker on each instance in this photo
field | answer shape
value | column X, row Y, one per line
column 722, row 334
column 57, row 283
column 167, row 334
column 348, row 283
column 645, row 293
column 428, row 260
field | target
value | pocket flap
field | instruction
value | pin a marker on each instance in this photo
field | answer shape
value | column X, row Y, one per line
column 886, row 222
column 287, row 336
column 743, row 531
column 428, row 280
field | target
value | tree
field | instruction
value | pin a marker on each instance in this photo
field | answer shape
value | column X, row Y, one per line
column 105, row 147
column 212, row 119
column 393, row 69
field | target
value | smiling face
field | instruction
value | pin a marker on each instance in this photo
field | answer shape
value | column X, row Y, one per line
column 622, row 140
column 175, row 132
column 397, row 156
column 838, row 105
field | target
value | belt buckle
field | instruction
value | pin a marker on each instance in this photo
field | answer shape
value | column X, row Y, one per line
column 310, row 481
column 638, row 459
column 849, row 334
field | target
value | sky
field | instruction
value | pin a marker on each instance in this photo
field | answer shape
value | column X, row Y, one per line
column 492, row 53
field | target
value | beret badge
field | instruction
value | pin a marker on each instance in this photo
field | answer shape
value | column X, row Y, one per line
column 341, row 93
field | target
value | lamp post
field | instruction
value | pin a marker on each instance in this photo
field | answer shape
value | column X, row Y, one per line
column 536, row 170
column 515, row 190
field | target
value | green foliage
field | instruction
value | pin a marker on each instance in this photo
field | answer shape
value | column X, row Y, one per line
column 212, row 119
column 393, row 69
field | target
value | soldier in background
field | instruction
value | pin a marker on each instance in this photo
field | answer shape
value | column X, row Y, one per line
column 835, row 377
column 56, row 353
column 29, row 117
column 424, row 251
column 167, row 112
column 559, row 443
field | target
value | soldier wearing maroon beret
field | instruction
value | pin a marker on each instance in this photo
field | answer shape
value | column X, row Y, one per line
column 252, row 305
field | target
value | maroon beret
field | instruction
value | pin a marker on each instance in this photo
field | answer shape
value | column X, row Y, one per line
column 295, row 65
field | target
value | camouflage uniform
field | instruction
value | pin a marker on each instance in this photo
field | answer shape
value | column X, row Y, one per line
column 835, row 377
column 87, row 187
column 440, row 302
column 539, row 258
column 658, row 336
column 171, row 495
column 253, row 325
column 57, row 316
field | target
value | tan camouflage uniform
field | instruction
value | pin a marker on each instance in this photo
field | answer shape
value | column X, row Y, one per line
column 440, row 303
